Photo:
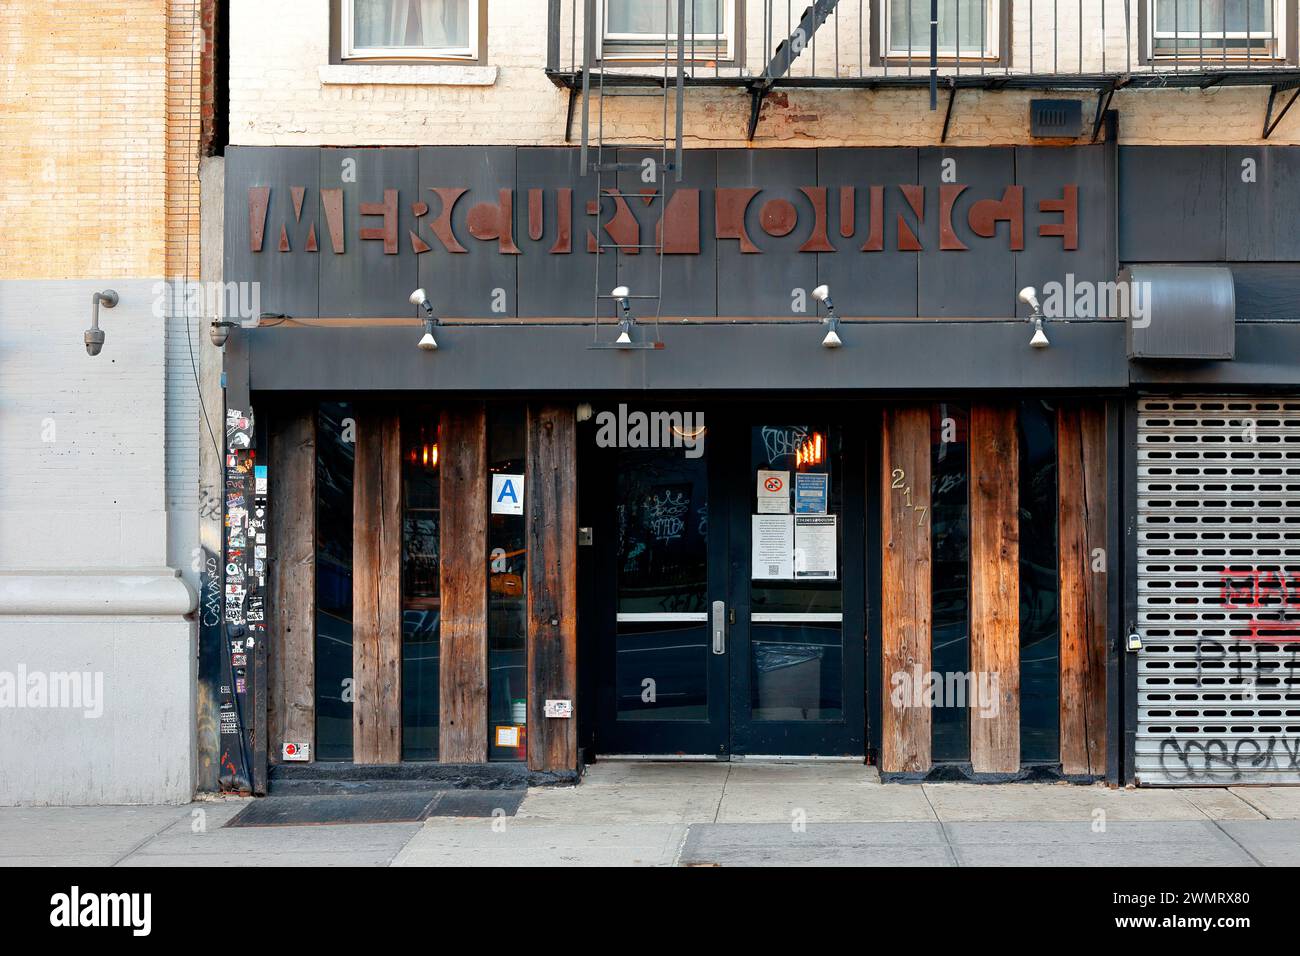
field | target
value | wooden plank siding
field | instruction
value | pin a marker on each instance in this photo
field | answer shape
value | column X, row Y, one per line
column 463, row 496
column 291, row 499
column 995, row 583
column 905, row 583
column 1081, row 470
column 551, row 496
column 376, row 588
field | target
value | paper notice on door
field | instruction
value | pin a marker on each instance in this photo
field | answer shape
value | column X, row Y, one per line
column 810, row 493
column 772, row 547
column 773, row 492
column 815, row 547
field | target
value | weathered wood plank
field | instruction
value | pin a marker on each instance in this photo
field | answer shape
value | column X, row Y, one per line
column 906, row 586
column 995, row 584
column 463, row 679
column 551, row 496
column 1081, row 471
column 291, row 499
column 376, row 588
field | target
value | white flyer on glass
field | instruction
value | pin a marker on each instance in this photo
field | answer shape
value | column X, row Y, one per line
column 772, row 547
column 773, row 492
column 815, row 547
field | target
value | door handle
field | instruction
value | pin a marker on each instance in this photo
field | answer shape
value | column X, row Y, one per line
column 719, row 625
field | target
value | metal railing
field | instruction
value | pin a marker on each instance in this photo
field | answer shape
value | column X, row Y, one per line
column 1067, row 44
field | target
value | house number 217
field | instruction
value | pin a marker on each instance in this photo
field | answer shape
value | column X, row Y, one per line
column 900, row 484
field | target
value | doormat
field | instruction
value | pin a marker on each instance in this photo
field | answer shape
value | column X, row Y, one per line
column 477, row 803
column 409, row 807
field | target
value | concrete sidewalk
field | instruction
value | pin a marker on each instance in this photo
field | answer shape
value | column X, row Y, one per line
column 714, row 814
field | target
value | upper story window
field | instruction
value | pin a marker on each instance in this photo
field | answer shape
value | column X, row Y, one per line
column 409, row 29
column 968, row 29
column 641, row 29
column 1233, row 29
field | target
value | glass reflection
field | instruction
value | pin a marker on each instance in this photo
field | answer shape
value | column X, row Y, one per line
column 335, row 457
column 1040, row 636
column 421, row 601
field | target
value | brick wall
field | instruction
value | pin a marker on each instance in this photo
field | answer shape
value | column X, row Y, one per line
column 277, row 97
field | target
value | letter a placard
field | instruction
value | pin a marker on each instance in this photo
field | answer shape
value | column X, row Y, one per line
column 507, row 494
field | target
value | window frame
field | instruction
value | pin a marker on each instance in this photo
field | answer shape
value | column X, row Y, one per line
column 720, row 48
column 997, row 30
column 1283, row 29
column 342, row 50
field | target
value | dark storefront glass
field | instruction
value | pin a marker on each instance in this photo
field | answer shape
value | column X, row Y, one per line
column 335, row 456
column 796, row 647
column 662, row 571
column 420, row 584
column 950, row 575
column 1040, row 636
column 507, row 576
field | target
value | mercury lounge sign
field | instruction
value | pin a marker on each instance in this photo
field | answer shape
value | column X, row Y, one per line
column 1052, row 217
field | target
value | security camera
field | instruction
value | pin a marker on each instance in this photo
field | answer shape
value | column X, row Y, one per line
column 94, row 336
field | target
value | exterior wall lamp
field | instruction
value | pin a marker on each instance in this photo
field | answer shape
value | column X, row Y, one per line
column 832, row 340
column 1029, row 296
column 427, row 342
column 94, row 336
column 626, row 319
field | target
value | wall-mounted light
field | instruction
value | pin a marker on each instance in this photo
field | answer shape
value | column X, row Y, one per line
column 419, row 298
column 94, row 336
column 1029, row 296
column 219, row 331
column 626, row 319
column 832, row 340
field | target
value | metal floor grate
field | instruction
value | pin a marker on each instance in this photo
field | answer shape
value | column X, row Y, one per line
column 1218, row 591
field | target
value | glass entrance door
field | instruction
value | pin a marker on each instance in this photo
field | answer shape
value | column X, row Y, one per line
column 729, row 591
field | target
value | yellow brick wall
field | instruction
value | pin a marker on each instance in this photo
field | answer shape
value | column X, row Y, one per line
column 98, row 138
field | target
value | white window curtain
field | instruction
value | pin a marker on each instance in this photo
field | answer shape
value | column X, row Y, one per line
column 970, row 20
column 423, row 24
column 647, row 18
column 1215, row 17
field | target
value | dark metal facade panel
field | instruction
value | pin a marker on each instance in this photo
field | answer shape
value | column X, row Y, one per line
column 562, row 283
column 980, row 280
column 690, row 281
column 1172, row 203
column 935, row 357
column 1043, row 171
column 1267, row 290
column 288, row 281
column 1265, row 357
column 777, row 278
column 482, row 280
column 1263, row 203
column 868, row 283
column 366, row 280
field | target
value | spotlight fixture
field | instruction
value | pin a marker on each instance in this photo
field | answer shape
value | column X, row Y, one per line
column 626, row 320
column 832, row 340
column 420, row 298
column 94, row 336
column 1029, row 296
column 219, row 331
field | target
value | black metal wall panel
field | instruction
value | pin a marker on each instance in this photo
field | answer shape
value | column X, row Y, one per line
column 558, row 284
column 288, row 281
column 868, row 284
column 1267, row 290
column 764, row 283
column 1044, row 171
column 364, row 280
column 1172, row 204
column 979, row 281
column 690, row 281
column 1263, row 208
column 482, row 280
